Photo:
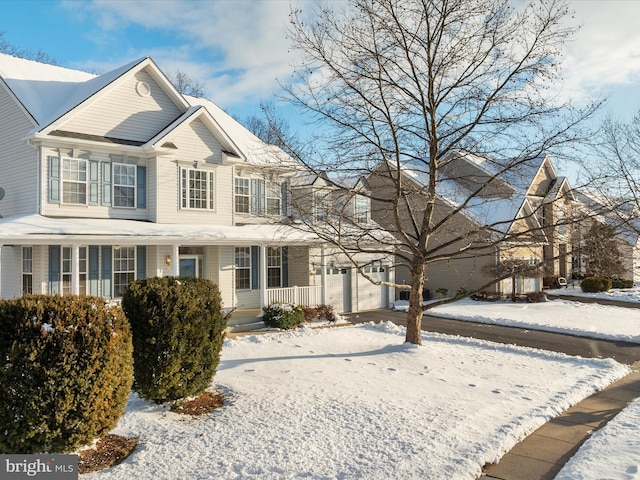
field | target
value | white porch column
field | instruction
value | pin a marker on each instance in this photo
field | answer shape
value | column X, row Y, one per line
column 263, row 276
column 175, row 261
column 323, row 276
column 75, row 270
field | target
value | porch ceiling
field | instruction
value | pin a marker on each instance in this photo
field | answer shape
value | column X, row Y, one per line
column 41, row 230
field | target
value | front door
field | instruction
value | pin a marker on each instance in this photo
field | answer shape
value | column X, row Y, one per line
column 189, row 266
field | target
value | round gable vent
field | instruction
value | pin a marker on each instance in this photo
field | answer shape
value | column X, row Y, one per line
column 143, row 89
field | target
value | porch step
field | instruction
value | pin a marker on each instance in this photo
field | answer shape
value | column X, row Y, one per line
column 245, row 327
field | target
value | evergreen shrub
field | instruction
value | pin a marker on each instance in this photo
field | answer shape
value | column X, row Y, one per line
column 617, row 282
column 596, row 284
column 178, row 329
column 284, row 317
column 66, row 372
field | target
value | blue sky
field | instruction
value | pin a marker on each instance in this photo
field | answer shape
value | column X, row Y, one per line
column 238, row 48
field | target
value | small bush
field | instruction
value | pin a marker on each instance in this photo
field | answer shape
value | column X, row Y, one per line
column 536, row 297
column 320, row 312
column 178, row 328
column 596, row 284
column 284, row 317
column 550, row 281
column 621, row 283
column 66, row 373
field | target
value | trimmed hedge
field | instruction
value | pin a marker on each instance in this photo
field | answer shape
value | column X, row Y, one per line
column 284, row 317
column 178, row 328
column 596, row 284
column 66, row 372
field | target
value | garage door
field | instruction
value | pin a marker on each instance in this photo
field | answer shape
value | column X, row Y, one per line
column 372, row 296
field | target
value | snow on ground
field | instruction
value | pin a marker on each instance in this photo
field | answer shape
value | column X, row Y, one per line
column 622, row 294
column 357, row 402
column 582, row 319
column 612, row 452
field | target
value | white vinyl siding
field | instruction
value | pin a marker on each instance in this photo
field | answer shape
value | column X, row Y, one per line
column 18, row 165
column 124, row 114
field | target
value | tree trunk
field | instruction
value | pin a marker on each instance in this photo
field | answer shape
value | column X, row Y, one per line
column 513, row 288
column 414, row 314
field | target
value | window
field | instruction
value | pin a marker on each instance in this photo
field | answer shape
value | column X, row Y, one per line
column 243, row 268
column 66, row 270
column 257, row 197
column 274, row 267
column 361, row 209
column 198, row 189
column 124, row 268
column 321, row 205
column 124, row 185
column 74, row 181
column 242, row 195
column 274, row 196
column 27, row 270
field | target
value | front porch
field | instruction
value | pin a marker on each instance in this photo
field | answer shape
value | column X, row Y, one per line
column 248, row 319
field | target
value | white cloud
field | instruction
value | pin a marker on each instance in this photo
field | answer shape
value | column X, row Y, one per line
column 236, row 48
column 606, row 51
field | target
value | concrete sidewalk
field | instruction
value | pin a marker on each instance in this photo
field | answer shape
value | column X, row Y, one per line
column 542, row 454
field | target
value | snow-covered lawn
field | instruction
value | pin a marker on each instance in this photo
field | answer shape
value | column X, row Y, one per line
column 582, row 319
column 356, row 402
column 622, row 294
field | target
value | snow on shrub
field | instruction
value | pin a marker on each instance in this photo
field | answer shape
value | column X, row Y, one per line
column 178, row 328
column 283, row 316
column 66, row 372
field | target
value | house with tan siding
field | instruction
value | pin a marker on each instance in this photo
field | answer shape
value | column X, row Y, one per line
column 487, row 216
column 110, row 178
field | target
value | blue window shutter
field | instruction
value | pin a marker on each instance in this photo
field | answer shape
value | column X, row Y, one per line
column 257, row 196
column 255, row 268
column 141, row 180
column 94, row 269
column 54, row 269
column 141, row 261
column 94, row 168
column 284, row 207
column 54, row 179
column 106, row 271
column 285, row 266
column 106, row 184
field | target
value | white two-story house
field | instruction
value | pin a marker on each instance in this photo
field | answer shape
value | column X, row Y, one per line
column 110, row 178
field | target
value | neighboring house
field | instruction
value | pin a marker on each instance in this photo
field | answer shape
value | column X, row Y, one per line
column 494, row 207
column 117, row 177
column 623, row 220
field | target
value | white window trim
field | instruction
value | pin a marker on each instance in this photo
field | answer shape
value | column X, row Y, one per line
column 114, row 185
column 185, row 190
column 63, row 180
column 235, row 251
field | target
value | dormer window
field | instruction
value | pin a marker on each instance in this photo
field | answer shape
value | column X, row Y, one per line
column 361, row 214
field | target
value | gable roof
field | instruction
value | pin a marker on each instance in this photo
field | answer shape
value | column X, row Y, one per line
column 49, row 94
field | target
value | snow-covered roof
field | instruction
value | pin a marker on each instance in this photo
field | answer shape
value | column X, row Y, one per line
column 48, row 91
column 258, row 153
column 37, row 229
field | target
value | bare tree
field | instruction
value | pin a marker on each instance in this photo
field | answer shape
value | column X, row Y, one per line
column 37, row 56
column 405, row 89
column 186, row 85
column 271, row 127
